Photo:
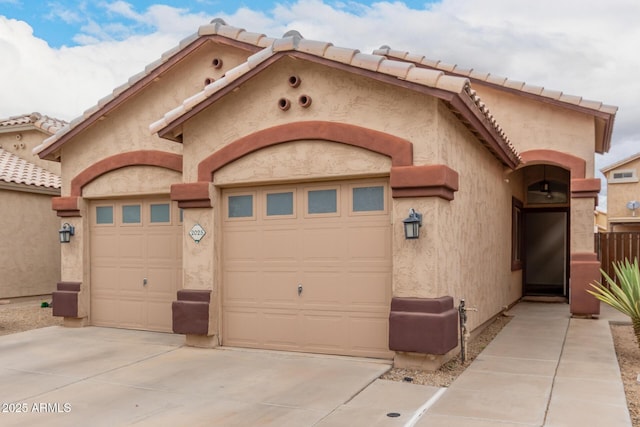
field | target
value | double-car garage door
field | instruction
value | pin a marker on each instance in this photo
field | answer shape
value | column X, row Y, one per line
column 136, row 262
column 307, row 267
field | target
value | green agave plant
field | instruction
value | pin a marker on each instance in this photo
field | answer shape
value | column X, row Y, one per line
column 623, row 295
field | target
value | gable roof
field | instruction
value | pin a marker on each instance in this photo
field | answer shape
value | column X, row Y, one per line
column 603, row 114
column 37, row 121
column 14, row 169
column 217, row 30
column 619, row 163
column 455, row 91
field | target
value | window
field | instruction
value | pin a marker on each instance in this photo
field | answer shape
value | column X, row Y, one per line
column 627, row 175
column 240, row 206
column 160, row 213
column 367, row 199
column 104, row 214
column 280, row 203
column 516, row 234
column 322, row 201
column 131, row 214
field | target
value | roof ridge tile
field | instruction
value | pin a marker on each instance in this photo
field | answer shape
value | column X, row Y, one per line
column 500, row 81
column 367, row 61
column 399, row 69
column 340, row 54
column 314, row 47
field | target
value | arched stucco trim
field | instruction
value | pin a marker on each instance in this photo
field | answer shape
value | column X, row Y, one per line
column 399, row 150
column 581, row 187
column 575, row 165
column 160, row 159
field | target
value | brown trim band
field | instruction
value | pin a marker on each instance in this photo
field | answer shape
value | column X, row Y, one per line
column 576, row 165
column 66, row 207
column 65, row 299
column 190, row 313
column 133, row 158
column 191, row 195
column 400, row 150
column 423, row 325
column 584, row 188
column 424, row 181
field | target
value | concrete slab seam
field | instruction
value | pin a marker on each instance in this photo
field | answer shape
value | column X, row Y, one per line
column 555, row 374
column 425, row 407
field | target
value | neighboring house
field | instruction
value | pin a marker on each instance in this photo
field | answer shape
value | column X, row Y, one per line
column 623, row 194
column 29, row 252
column 266, row 209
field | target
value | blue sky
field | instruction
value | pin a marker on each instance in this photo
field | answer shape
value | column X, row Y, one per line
column 61, row 22
column 60, row 57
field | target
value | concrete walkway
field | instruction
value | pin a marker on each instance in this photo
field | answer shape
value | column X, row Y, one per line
column 543, row 369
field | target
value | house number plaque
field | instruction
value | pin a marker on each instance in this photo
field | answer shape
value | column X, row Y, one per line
column 197, row 233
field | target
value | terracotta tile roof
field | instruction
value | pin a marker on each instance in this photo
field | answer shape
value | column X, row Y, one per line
column 497, row 80
column 401, row 70
column 17, row 170
column 38, row 121
column 290, row 41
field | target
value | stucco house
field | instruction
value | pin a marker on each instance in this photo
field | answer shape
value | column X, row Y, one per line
column 30, row 252
column 252, row 191
column 623, row 194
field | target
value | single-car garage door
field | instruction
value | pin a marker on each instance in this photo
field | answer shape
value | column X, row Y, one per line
column 307, row 267
column 136, row 262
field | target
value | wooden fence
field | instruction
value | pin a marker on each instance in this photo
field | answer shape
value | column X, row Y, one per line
column 616, row 246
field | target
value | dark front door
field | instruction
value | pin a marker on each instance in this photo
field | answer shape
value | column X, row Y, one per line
column 545, row 243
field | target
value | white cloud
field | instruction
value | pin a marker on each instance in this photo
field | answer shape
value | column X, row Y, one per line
column 582, row 47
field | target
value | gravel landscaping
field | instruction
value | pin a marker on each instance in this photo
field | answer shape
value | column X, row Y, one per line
column 23, row 314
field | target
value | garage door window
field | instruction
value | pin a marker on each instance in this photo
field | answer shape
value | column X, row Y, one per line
column 160, row 213
column 104, row 214
column 131, row 214
column 240, row 206
column 280, row 204
column 322, row 201
column 367, row 199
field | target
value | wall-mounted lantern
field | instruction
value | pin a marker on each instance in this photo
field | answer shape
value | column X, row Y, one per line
column 412, row 225
column 66, row 232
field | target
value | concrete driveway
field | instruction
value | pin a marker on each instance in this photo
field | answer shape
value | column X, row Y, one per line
column 110, row 377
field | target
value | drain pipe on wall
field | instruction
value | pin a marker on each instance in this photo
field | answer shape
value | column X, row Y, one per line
column 464, row 333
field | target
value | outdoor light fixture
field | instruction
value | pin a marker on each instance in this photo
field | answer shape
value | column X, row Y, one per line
column 545, row 185
column 66, row 232
column 412, row 225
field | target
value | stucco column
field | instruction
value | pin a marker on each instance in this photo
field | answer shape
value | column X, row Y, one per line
column 75, row 264
column 199, row 270
column 584, row 264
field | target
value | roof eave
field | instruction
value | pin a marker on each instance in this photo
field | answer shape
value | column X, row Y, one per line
column 619, row 163
column 463, row 107
column 26, row 127
column 27, row 188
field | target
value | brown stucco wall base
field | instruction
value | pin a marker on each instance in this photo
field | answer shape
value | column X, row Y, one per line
column 65, row 299
column 585, row 269
column 423, row 325
column 191, row 312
